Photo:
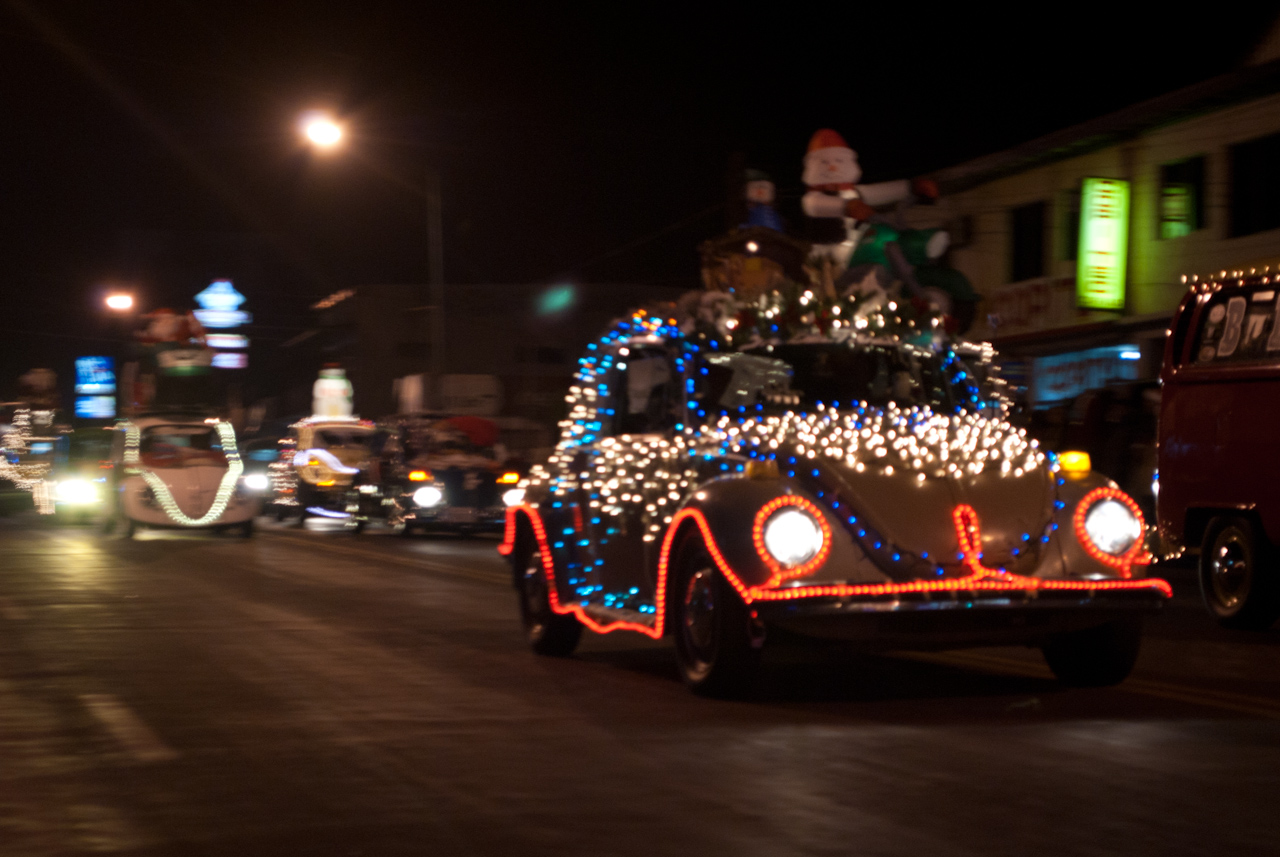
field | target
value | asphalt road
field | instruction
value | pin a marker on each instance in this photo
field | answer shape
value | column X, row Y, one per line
column 316, row 692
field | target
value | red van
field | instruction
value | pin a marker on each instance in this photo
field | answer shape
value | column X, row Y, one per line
column 1219, row 444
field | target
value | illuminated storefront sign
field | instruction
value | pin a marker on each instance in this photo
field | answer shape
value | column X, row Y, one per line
column 1059, row 377
column 220, row 310
column 1104, row 244
column 95, row 387
column 95, row 376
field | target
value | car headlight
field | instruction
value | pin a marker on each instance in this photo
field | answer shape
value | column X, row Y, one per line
column 1112, row 527
column 792, row 537
column 256, row 482
column 428, row 495
column 513, row 497
column 77, row 491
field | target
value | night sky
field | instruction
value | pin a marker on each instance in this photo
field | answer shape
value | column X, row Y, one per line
column 588, row 143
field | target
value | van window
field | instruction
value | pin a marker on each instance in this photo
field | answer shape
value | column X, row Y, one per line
column 1239, row 326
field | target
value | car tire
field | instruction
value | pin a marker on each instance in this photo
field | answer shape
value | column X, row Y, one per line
column 246, row 529
column 1239, row 581
column 717, row 653
column 130, row 528
column 1095, row 657
column 548, row 632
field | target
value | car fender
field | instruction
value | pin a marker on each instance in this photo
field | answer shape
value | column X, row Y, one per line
column 728, row 513
column 1079, row 558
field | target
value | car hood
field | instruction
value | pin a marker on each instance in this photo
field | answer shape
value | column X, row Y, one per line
column 901, row 475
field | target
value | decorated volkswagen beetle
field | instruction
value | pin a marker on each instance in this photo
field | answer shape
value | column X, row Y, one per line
column 179, row 471
column 824, row 464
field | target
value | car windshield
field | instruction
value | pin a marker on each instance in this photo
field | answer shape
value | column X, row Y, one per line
column 438, row 438
column 179, row 445
column 343, row 437
column 834, row 374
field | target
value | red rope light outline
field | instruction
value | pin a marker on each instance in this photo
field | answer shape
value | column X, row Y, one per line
column 1135, row 555
column 982, row 579
column 780, row 571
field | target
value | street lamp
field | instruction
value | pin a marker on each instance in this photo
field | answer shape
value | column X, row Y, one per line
column 119, row 301
column 322, row 132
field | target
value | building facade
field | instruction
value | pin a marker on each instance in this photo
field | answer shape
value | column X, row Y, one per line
column 1199, row 172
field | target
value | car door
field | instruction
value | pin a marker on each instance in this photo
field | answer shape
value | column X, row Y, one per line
column 624, row 479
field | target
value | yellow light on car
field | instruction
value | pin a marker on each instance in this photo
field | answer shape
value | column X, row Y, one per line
column 509, row 478
column 1075, row 462
column 419, row 475
column 325, row 483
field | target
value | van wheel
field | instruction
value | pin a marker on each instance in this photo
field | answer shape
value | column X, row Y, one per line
column 1095, row 657
column 715, row 648
column 1238, row 577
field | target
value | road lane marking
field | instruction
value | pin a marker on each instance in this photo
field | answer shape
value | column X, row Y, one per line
column 1241, row 703
column 12, row 612
column 135, row 736
column 394, row 559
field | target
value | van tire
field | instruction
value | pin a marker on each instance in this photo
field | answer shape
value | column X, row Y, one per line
column 1239, row 581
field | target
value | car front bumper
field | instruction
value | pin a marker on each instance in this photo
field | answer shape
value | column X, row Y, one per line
column 957, row 618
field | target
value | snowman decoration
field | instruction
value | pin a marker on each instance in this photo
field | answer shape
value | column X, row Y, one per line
column 838, row 207
column 331, row 393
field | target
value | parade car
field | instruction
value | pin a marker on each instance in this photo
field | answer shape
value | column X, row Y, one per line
column 80, row 477
column 825, row 469
column 325, row 470
column 445, row 473
column 1221, row 381
column 179, row 471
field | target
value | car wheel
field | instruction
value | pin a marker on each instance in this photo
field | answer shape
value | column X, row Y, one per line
column 281, row 513
column 716, row 651
column 1238, row 578
column 130, row 528
column 1095, row 657
column 246, row 529
column 548, row 632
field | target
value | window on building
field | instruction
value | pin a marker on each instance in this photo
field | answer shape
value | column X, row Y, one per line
column 1255, row 174
column 1027, row 226
column 1069, row 227
column 1181, row 198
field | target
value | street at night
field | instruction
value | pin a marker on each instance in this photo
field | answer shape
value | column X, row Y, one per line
column 638, row 429
column 315, row 692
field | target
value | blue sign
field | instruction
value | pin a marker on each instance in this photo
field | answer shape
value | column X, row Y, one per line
column 1065, row 376
column 220, row 306
column 96, row 407
column 95, row 376
column 220, row 296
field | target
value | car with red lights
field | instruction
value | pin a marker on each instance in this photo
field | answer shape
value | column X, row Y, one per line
column 1217, row 451
column 827, row 469
column 446, row 473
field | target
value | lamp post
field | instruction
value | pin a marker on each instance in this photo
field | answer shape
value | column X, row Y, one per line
column 325, row 134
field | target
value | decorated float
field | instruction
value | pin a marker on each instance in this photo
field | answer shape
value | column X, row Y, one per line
column 808, row 446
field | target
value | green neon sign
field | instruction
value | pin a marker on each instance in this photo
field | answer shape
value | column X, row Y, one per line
column 1104, row 244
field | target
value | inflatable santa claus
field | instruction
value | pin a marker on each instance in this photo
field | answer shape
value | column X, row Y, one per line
column 836, row 204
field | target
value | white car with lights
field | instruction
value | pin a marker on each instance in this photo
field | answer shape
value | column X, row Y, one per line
column 824, row 467
column 177, row 471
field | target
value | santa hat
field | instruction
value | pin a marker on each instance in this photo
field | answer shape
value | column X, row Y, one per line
column 827, row 139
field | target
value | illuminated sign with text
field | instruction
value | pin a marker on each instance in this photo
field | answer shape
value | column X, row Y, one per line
column 220, row 310
column 1104, row 244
